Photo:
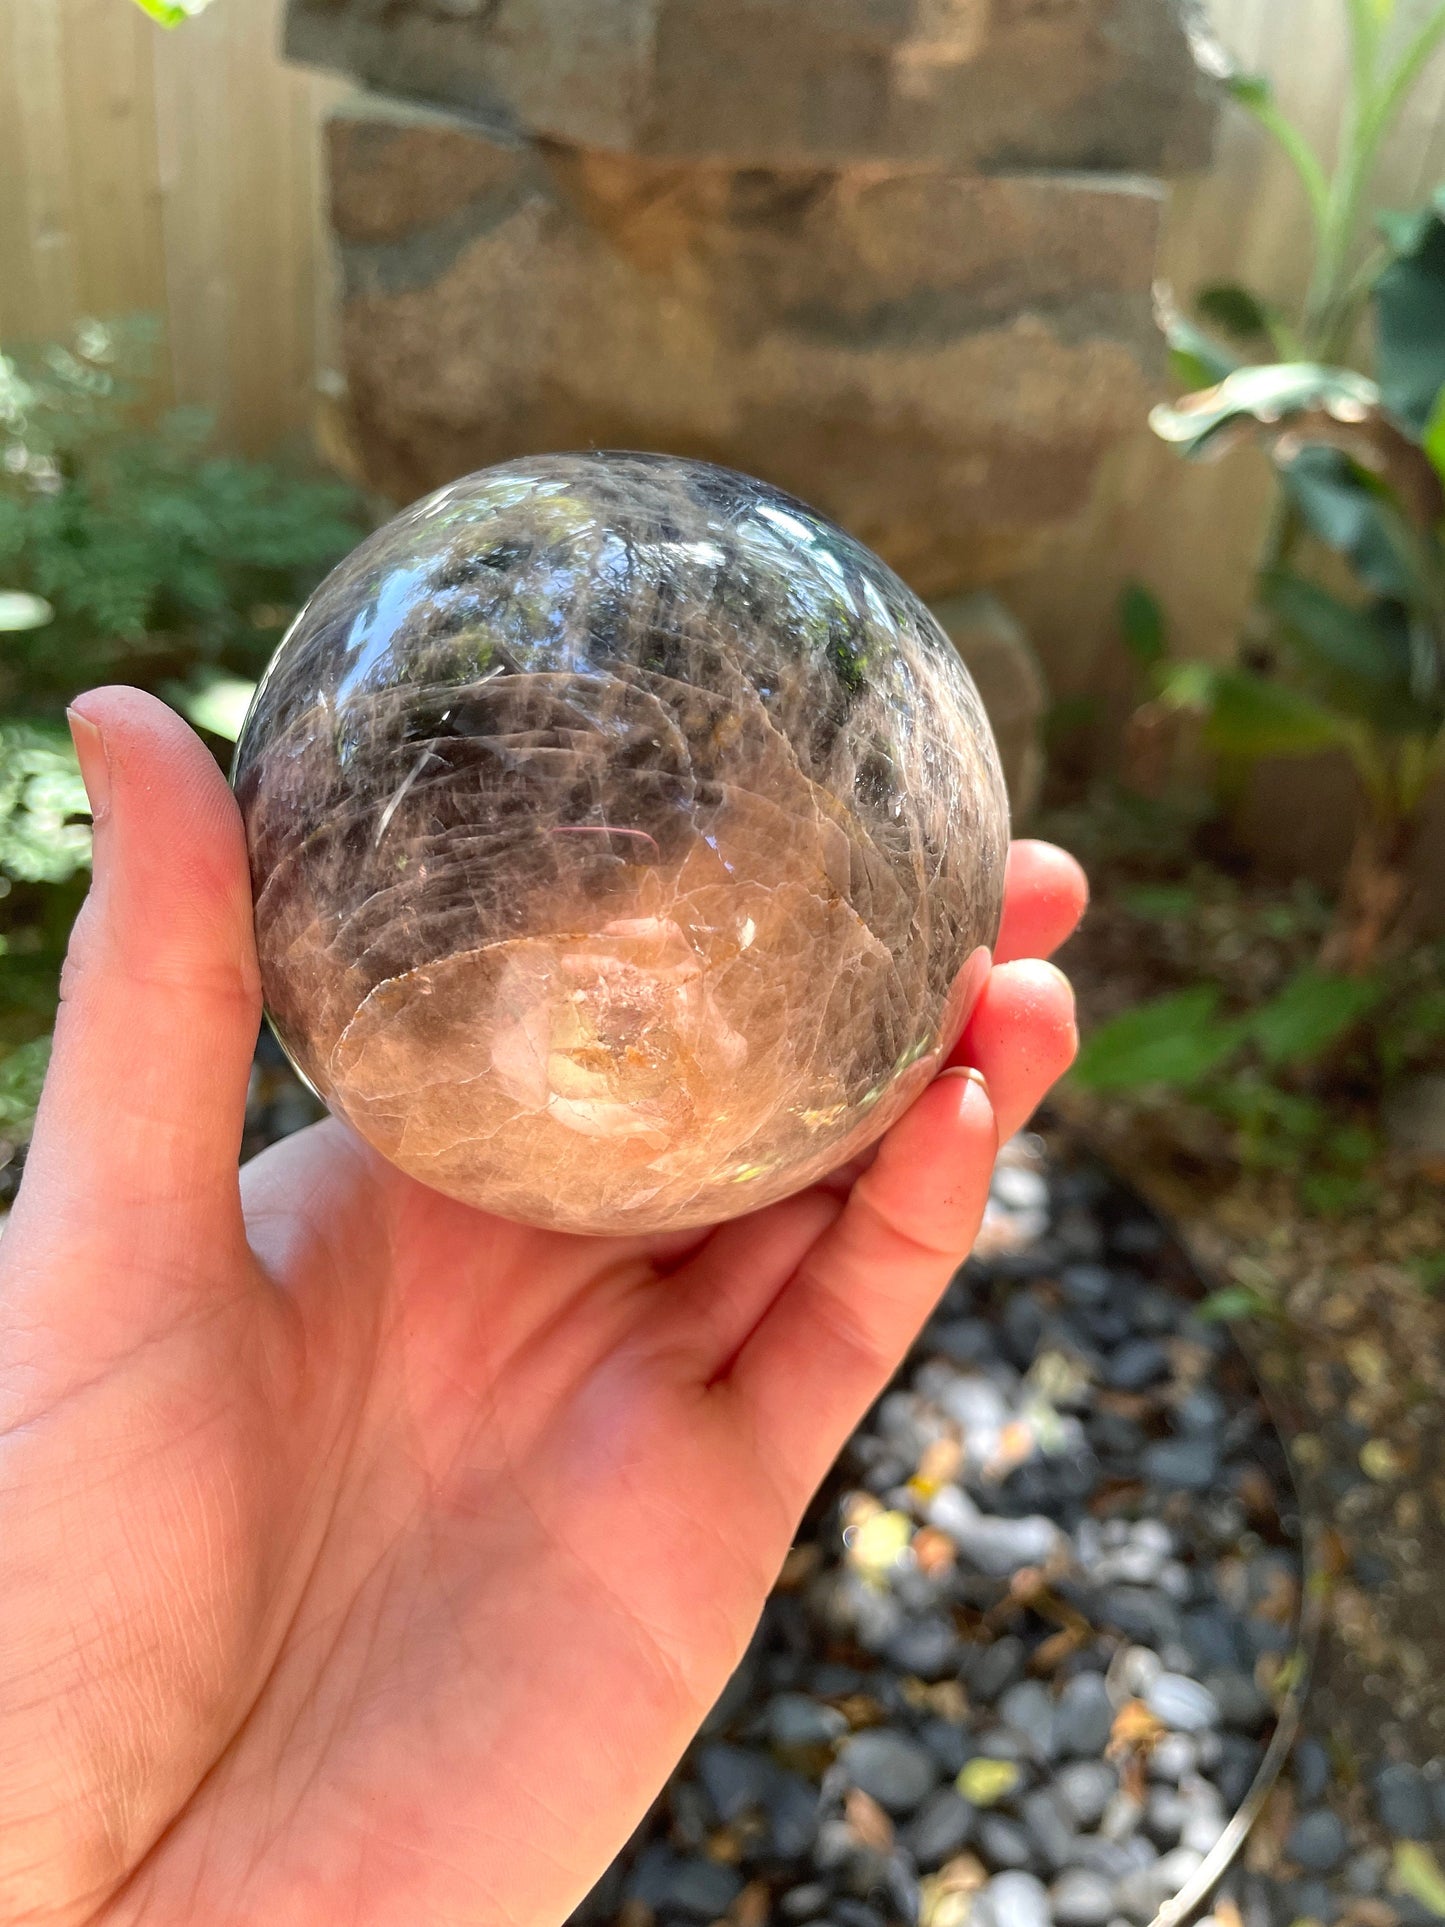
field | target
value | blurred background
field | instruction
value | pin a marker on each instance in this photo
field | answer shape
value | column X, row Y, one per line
column 1117, row 326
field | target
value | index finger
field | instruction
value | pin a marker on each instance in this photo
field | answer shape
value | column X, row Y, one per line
column 1045, row 895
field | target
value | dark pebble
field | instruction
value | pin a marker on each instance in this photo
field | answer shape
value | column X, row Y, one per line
column 1140, row 1614
column 834, row 1682
column 1003, row 1842
column 1046, row 1815
column 1312, row 1900
column 1086, row 1285
column 793, row 1719
column 696, row 1889
column 962, row 1340
column 1107, row 1325
column 1114, row 1434
column 900, row 1887
column 1083, row 1717
column 991, row 1670
column 1403, row 1802
column 940, row 1829
column 1137, row 1363
column 898, row 1772
column 1087, row 1786
column 1365, row 1873
column 1317, row 1841
column 855, row 1913
column 1081, row 1898
column 1138, row 1237
column 950, row 1745
column 1155, row 1310
column 1238, row 1764
column 1022, row 1326
column 691, row 1814
column 1012, row 1899
column 1241, row 1704
column 1028, row 1708
column 1201, row 1411
column 1311, row 1772
column 1213, row 1636
column 802, row 1903
column 734, row 1779
column 1191, row 1463
column 927, row 1647
column 792, row 1815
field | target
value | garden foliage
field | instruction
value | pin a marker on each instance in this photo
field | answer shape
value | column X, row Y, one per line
column 130, row 551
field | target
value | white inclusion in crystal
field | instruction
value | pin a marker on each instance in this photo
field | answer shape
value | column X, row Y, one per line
column 789, row 524
column 746, row 933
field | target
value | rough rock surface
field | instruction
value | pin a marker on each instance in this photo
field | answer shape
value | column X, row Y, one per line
column 967, row 83
column 936, row 359
column 624, row 839
column 1001, row 660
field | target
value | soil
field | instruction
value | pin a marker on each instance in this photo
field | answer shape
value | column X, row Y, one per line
column 1347, row 1332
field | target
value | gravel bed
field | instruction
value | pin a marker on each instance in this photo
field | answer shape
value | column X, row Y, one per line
column 1024, row 1662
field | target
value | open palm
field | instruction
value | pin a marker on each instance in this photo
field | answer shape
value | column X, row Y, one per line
column 368, row 1559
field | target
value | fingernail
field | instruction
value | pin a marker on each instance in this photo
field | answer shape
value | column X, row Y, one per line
column 1058, row 976
column 94, row 763
column 968, row 1074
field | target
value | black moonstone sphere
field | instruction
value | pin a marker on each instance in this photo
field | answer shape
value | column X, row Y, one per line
column 627, row 842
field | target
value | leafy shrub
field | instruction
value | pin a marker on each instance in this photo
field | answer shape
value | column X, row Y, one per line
column 1361, row 461
column 1292, row 1074
column 133, row 553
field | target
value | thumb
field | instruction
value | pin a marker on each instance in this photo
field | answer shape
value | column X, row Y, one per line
column 136, row 1143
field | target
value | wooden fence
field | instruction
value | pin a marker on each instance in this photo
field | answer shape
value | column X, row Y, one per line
column 178, row 173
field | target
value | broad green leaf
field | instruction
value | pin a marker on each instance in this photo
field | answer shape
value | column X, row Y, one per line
column 1314, row 1009
column 217, row 705
column 1267, row 395
column 1142, row 622
column 1236, row 310
column 1233, row 1301
column 1250, row 90
column 1410, row 327
column 1404, row 229
column 40, row 792
column 21, row 611
column 1347, row 514
column 1189, row 685
column 22, row 1072
column 1334, row 635
column 1174, row 1041
column 1418, row 1873
column 170, row 13
column 1196, row 358
column 1433, row 440
column 1252, row 716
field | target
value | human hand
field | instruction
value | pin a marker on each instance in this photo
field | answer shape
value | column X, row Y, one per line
column 367, row 1559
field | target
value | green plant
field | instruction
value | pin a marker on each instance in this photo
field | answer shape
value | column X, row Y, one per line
column 128, row 552
column 1293, row 1078
column 1362, row 467
column 170, row 13
column 141, row 553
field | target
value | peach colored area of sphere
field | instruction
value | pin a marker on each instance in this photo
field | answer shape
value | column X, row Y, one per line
column 627, row 842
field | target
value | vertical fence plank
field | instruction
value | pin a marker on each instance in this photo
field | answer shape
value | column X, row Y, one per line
column 38, row 280
column 180, row 173
column 239, row 141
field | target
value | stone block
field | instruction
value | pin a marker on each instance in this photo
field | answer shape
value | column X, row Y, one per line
column 1001, row 660
column 935, row 359
column 966, row 83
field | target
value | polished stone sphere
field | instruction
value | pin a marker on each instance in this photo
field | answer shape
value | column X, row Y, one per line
column 626, row 842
